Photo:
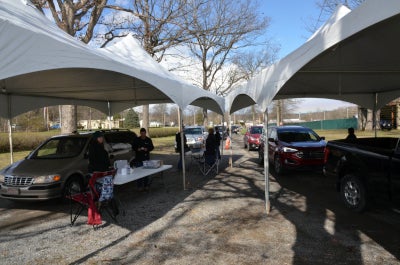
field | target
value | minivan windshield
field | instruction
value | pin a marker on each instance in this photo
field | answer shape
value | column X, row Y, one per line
column 60, row 148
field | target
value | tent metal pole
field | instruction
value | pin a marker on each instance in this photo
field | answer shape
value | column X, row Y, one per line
column 182, row 147
column 223, row 142
column 375, row 116
column 109, row 114
column 10, row 129
column 266, row 163
column 230, row 138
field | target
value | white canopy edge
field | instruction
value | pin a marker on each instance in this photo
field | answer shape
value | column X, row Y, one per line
column 265, row 86
column 31, row 44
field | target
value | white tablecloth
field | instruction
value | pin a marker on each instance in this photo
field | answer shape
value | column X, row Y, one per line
column 138, row 173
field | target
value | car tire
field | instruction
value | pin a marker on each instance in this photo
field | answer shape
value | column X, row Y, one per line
column 353, row 193
column 245, row 145
column 278, row 167
column 260, row 158
column 72, row 186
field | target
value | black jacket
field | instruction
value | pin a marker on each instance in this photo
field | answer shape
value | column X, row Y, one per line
column 98, row 158
column 139, row 143
column 218, row 138
column 178, row 142
column 211, row 145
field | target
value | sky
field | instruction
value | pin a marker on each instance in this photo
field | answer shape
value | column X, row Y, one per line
column 288, row 28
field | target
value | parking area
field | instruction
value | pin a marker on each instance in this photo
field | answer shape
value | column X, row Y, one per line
column 220, row 220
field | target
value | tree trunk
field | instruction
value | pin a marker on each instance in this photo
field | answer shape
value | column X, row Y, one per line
column 205, row 118
column 68, row 117
column 145, row 121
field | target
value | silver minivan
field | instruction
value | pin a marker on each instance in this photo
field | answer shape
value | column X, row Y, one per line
column 59, row 163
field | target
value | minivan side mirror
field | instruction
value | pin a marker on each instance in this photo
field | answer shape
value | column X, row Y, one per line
column 271, row 140
column 322, row 137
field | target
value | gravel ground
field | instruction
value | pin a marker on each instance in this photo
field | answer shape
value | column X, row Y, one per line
column 219, row 220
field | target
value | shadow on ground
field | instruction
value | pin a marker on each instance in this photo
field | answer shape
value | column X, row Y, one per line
column 220, row 220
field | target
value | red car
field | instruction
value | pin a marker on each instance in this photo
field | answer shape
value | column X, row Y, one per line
column 293, row 147
column 251, row 138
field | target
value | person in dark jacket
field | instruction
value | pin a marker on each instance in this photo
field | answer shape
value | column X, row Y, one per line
column 143, row 145
column 351, row 137
column 210, row 153
column 98, row 156
column 179, row 146
column 218, row 139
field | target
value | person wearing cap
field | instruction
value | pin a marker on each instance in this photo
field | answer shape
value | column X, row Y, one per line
column 143, row 145
column 98, row 156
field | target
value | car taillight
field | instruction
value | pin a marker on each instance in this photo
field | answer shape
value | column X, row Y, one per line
column 326, row 154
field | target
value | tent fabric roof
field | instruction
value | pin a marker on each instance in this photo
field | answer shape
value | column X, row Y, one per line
column 353, row 57
column 129, row 49
column 42, row 65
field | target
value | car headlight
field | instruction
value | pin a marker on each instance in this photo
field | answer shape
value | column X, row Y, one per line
column 289, row 150
column 299, row 154
column 2, row 178
column 46, row 179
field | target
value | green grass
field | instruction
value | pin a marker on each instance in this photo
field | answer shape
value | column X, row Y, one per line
column 341, row 134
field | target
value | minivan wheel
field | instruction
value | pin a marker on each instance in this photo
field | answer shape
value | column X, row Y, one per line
column 353, row 193
column 72, row 186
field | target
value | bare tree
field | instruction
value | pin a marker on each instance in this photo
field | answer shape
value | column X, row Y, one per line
column 159, row 113
column 77, row 18
column 157, row 25
column 217, row 30
column 243, row 66
column 327, row 7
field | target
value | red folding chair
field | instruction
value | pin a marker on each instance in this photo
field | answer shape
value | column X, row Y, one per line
column 98, row 198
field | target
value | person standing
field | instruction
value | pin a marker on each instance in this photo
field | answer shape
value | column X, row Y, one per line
column 179, row 146
column 218, row 142
column 98, row 156
column 143, row 145
column 210, row 153
column 351, row 137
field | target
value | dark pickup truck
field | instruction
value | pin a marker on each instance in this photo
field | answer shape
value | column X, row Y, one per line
column 365, row 169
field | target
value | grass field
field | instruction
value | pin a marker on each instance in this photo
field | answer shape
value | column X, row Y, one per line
column 163, row 142
column 341, row 134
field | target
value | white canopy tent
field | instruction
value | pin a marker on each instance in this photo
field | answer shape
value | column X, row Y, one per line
column 353, row 57
column 42, row 66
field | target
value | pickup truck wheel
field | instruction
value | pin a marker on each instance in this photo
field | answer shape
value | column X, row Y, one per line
column 278, row 167
column 353, row 193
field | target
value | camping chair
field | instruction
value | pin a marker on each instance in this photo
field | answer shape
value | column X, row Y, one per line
column 97, row 198
column 208, row 163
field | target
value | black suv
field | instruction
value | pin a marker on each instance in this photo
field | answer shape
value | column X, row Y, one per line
column 59, row 163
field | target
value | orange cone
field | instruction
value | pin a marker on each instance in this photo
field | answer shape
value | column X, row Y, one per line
column 228, row 143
